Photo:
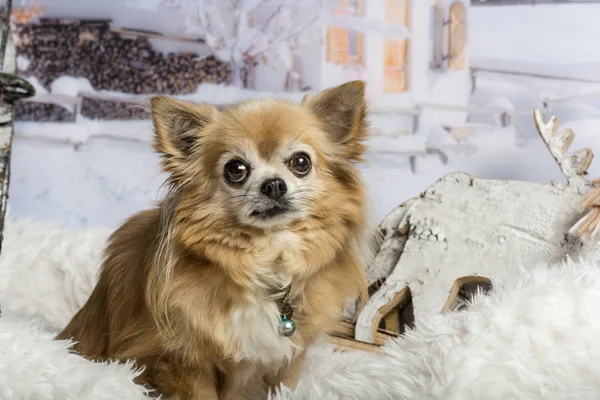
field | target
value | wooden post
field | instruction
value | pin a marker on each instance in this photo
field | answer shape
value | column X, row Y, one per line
column 6, row 135
column 12, row 88
column 8, row 64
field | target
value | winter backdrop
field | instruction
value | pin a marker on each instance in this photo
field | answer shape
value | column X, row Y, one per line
column 97, row 172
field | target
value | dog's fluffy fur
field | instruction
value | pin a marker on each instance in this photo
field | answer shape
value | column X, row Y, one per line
column 182, row 289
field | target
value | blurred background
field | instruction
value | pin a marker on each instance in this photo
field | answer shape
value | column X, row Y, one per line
column 451, row 85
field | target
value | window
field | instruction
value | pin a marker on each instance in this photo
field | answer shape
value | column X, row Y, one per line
column 345, row 46
column 396, row 50
column 458, row 36
column 436, row 38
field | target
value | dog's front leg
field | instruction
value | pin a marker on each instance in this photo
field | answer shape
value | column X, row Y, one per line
column 244, row 381
column 289, row 375
column 200, row 390
column 181, row 383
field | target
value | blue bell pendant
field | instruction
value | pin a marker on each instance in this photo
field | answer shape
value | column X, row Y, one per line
column 287, row 327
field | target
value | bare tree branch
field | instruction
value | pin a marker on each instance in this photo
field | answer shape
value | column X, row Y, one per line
column 291, row 35
column 230, row 33
column 239, row 11
column 266, row 24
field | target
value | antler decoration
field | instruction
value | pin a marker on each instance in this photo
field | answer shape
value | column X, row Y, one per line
column 574, row 168
column 589, row 224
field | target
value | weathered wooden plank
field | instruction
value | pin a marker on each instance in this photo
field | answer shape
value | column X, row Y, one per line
column 342, row 344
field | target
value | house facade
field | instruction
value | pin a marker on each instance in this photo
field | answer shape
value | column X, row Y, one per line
column 428, row 68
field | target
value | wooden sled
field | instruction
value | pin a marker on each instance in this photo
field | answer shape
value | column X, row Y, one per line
column 439, row 249
column 396, row 316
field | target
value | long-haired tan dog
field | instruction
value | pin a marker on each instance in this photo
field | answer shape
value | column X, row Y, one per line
column 262, row 226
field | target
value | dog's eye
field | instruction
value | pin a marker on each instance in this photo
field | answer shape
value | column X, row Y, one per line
column 236, row 171
column 300, row 164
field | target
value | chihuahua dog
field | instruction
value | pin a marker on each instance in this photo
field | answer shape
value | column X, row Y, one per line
column 251, row 256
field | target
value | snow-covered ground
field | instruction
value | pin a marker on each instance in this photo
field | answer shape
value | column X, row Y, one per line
column 558, row 39
column 98, row 173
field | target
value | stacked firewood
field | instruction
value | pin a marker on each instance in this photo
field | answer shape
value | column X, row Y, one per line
column 42, row 112
column 112, row 109
column 110, row 61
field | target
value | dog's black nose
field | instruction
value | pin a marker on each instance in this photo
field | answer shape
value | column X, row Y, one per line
column 273, row 188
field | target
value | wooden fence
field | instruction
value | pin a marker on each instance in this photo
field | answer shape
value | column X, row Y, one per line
column 506, row 116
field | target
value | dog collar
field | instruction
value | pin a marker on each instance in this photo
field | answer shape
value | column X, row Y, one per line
column 287, row 326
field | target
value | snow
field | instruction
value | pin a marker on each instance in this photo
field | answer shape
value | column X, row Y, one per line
column 206, row 92
column 83, row 130
column 96, row 173
column 556, row 34
column 222, row 94
column 405, row 144
column 557, row 41
column 22, row 63
column 581, row 71
column 366, row 25
column 70, row 86
column 153, row 5
column 130, row 13
column 522, row 93
column 99, row 184
column 39, row 88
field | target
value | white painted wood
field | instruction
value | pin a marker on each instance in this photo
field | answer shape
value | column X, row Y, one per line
column 462, row 226
column 391, row 245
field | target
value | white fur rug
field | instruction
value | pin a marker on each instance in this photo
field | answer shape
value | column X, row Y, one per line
column 537, row 336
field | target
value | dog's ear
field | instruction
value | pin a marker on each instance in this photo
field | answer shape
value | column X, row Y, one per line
column 178, row 126
column 343, row 109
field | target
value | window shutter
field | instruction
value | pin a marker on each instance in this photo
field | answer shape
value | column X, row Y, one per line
column 337, row 45
column 396, row 11
column 338, row 38
column 361, row 47
column 458, row 36
column 436, row 37
column 396, row 51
